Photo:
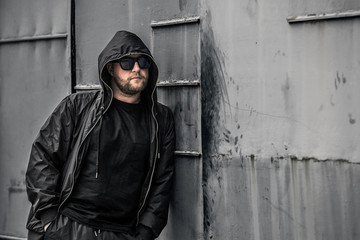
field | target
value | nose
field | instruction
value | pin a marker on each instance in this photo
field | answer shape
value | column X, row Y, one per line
column 136, row 67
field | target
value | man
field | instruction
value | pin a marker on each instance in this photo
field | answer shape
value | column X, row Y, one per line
column 102, row 164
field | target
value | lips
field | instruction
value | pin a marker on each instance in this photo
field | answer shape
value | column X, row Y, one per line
column 137, row 78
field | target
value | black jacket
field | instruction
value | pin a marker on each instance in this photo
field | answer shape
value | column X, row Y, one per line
column 60, row 147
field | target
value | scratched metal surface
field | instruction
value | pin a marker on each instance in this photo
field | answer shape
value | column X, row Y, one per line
column 280, row 117
column 275, row 116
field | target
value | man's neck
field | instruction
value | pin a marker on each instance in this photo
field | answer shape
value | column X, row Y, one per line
column 128, row 98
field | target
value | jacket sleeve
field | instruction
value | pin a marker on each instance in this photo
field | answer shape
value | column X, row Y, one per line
column 48, row 153
column 156, row 213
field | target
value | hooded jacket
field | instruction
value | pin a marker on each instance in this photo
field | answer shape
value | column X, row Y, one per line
column 61, row 145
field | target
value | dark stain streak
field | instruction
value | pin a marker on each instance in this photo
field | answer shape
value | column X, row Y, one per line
column 286, row 91
column 16, row 190
column 227, row 137
column 182, row 4
column 335, row 84
column 286, row 213
column 213, row 95
column 331, row 100
column 339, row 80
column 316, row 160
column 252, row 8
column 213, row 86
column 351, row 119
column 17, row 185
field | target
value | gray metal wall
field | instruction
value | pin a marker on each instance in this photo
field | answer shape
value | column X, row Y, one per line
column 34, row 77
column 280, row 119
column 265, row 101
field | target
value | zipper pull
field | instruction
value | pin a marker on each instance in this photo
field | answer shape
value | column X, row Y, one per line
column 97, row 168
column 158, row 155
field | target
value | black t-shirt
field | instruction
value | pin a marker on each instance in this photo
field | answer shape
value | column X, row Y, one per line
column 110, row 201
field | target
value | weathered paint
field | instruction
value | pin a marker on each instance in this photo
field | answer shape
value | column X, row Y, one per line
column 293, row 85
column 283, row 198
column 279, row 122
column 266, row 112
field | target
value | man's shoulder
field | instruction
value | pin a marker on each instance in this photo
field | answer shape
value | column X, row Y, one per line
column 84, row 95
column 163, row 109
column 83, row 98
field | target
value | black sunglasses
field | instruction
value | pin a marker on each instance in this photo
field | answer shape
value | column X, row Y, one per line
column 127, row 63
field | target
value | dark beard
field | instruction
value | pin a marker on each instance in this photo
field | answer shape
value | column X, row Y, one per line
column 128, row 90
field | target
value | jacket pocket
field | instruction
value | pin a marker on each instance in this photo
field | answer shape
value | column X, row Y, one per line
column 35, row 235
column 57, row 229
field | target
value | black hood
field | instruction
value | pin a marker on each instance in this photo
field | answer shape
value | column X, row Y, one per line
column 122, row 44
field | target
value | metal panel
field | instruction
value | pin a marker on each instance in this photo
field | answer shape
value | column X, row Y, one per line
column 97, row 22
column 176, row 45
column 21, row 18
column 279, row 122
column 186, row 212
column 282, row 198
column 34, row 77
column 180, row 43
column 170, row 29
column 184, row 104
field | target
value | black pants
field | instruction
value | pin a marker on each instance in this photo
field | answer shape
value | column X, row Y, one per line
column 65, row 229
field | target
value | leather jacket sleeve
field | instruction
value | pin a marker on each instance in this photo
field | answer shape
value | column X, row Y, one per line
column 156, row 214
column 48, row 154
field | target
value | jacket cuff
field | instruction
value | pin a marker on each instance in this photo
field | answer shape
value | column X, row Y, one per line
column 145, row 232
column 35, row 235
column 48, row 215
column 151, row 221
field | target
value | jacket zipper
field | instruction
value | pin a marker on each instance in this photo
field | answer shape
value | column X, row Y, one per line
column 82, row 142
column 73, row 174
column 152, row 175
column 108, row 106
column 156, row 154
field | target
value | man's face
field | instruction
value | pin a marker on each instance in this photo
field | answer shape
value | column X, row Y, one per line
column 128, row 82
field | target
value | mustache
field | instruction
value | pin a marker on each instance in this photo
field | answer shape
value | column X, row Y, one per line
column 137, row 76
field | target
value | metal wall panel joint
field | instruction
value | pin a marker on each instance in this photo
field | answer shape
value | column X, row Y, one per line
column 85, row 87
column 323, row 16
column 187, row 153
column 176, row 83
column 35, row 38
column 171, row 22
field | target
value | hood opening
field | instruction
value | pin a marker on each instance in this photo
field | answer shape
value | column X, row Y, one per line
column 125, row 43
